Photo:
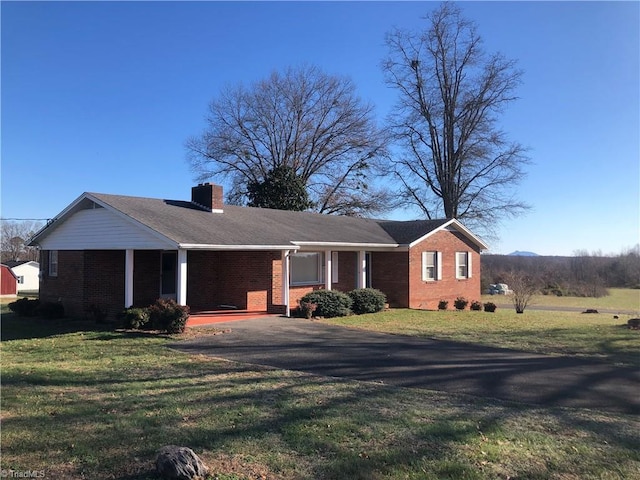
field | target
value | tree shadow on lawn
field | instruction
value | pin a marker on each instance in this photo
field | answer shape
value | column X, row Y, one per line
column 296, row 425
column 23, row 328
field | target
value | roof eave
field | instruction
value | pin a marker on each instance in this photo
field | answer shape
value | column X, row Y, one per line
column 203, row 246
column 460, row 227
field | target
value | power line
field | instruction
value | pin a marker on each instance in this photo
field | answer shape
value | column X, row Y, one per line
column 32, row 219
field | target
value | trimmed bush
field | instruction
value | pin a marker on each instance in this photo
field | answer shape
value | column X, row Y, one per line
column 329, row 303
column 476, row 306
column 51, row 310
column 490, row 307
column 443, row 305
column 367, row 300
column 25, row 307
column 460, row 303
column 165, row 314
column 136, row 318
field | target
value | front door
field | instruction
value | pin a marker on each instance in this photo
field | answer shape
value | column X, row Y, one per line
column 169, row 275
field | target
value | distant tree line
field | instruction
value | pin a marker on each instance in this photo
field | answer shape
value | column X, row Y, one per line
column 583, row 275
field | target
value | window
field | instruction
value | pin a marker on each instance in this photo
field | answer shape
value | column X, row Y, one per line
column 20, row 279
column 463, row 264
column 431, row 266
column 53, row 263
column 306, row 268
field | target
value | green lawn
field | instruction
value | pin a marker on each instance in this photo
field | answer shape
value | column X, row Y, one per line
column 558, row 333
column 623, row 299
column 79, row 402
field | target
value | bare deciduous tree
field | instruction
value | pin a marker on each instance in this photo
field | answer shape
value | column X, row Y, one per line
column 14, row 236
column 302, row 119
column 458, row 163
column 524, row 287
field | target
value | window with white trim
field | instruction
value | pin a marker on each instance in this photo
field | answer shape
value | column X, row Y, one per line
column 334, row 267
column 53, row 263
column 306, row 268
column 463, row 264
column 431, row 266
column 20, row 279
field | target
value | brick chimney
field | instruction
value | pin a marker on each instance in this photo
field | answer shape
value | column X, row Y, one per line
column 208, row 196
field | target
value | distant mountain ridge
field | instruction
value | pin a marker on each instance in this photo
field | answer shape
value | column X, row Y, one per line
column 518, row 253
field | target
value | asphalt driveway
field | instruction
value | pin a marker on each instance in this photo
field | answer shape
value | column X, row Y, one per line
column 314, row 347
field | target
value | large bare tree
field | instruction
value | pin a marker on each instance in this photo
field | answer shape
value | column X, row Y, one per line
column 303, row 119
column 456, row 161
column 14, row 235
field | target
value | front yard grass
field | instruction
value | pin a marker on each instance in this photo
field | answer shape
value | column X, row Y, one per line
column 80, row 402
column 557, row 333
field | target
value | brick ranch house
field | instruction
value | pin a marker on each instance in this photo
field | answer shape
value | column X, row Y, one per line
column 112, row 251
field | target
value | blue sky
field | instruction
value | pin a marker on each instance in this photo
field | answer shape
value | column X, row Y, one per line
column 101, row 96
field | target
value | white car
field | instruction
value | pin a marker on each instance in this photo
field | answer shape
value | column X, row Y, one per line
column 499, row 289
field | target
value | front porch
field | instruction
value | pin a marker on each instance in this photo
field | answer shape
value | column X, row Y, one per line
column 211, row 317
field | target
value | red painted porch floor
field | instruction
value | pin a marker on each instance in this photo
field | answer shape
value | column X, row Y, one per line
column 219, row 316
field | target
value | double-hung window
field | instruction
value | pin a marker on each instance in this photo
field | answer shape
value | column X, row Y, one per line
column 431, row 266
column 463, row 265
column 53, row 263
column 306, row 268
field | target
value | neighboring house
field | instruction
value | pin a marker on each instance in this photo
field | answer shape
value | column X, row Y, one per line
column 8, row 282
column 112, row 251
column 27, row 273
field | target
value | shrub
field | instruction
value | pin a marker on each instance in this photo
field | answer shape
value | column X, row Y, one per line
column 167, row 315
column 25, row 307
column 460, row 303
column 476, row 306
column 367, row 300
column 490, row 307
column 51, row 310
column 330, row 303
column 136, row 318
column 443, row 305
column 307, row 309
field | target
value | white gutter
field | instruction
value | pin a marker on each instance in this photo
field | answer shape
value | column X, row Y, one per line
column 203, row 246
column 343, row 245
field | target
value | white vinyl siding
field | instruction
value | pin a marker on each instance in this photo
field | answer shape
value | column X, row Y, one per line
column 431, row 266
column 463, row 264
column 100, row 228
column 306, row 268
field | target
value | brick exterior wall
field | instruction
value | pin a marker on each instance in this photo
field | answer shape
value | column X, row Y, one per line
column 68, row 286
column 426, row 295
column 86, row 279
column 247, row 280
column 251, row 280
column 389, row 275
column 146, row 277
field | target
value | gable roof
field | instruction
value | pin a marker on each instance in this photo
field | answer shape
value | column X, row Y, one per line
column 187, row 225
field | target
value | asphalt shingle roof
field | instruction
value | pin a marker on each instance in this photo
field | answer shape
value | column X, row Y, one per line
column 186, row 223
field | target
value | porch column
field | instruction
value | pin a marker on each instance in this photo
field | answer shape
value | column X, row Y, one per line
column 181, row 293
column 327, row 269
column 128, row 278
column 285, row 282
column 361, row 281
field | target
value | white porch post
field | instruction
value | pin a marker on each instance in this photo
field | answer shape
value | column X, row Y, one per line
column 181, row 294
column 327, row 270
column 361, row 282
column 285, row 282
column 128, row 278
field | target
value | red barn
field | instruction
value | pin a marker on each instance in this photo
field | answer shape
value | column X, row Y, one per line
column 8, row 282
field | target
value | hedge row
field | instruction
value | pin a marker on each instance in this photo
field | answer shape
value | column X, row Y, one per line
column 165, row 315
column 331, row 303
